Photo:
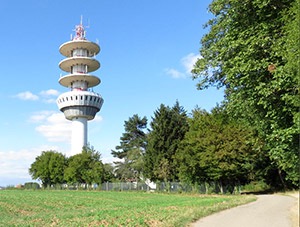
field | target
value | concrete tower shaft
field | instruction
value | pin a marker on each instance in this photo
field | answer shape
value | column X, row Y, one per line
column 79, row 105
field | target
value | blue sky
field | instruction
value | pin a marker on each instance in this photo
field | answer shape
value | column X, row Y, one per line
column 147, row 50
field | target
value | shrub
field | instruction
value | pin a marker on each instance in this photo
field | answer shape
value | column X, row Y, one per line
column 31, row 185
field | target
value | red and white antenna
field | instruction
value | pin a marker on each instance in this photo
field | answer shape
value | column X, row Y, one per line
column 79, row 31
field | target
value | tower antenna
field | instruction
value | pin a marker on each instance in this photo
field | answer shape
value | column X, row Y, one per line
column 79, row 31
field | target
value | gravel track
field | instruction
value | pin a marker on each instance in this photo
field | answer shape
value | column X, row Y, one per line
column 266, row 211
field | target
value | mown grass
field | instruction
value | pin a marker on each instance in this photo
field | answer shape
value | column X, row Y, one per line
column 95, row 208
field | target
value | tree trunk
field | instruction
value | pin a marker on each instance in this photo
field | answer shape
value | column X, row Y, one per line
column 221, row 188
column 281, row 179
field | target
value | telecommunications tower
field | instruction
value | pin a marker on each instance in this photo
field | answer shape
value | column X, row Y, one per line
column 80, row 104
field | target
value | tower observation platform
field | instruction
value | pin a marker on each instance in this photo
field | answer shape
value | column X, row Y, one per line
column 79, row 104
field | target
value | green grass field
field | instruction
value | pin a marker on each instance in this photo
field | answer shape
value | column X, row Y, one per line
column 96, row 208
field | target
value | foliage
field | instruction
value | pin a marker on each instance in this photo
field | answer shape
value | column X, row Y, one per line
column 31, row 185
column 85, row 168
column 256, row 186
column 85, row 208
column 251, row 50
column 291, row 55
column 168, row 128
column 49, row 168
column 108, row 172
column 132, row 148
column 218, row 149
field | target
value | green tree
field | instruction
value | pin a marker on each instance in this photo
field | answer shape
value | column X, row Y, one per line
column 246, row 52
column 123, row 171
column 49, row 168
column 218, row 149
column 132, row 148
column 168, row 128
column 108, row 174
column 85, row 168
column 287, row 138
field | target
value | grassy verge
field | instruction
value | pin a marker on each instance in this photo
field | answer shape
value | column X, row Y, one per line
column 84, row 208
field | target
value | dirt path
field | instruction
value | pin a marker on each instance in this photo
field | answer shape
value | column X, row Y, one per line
column 267, row 210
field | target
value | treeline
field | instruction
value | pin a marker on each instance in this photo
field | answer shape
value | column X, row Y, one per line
column 203, row 147
column 175, row 147
column 54, row 168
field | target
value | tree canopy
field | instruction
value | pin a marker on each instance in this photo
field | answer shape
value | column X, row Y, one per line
column 217, row 149
column 52, row 168
column 247, row 51
column 49, row 168
column 132, row 148
column 85, row 168
column 168, row 128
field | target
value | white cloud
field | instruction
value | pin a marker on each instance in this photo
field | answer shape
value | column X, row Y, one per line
column 49, row 100
column 49, row 95
column 54, row 126
column 27, row 95
column 187, row 63
column 98, row 118
column 40, row 116
column 14, row 165
column 50, row 92
column 174, row 73
column 108, row 159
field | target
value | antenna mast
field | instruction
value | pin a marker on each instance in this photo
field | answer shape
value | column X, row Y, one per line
column 79, row 31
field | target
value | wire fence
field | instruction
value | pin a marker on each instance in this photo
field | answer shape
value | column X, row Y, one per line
column 202, row 188
column 176, row 187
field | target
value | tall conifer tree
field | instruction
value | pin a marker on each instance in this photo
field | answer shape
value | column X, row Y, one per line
column 132, row 148
column 168, row 128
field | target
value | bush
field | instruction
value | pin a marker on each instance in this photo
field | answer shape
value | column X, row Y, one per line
column 256, row 186
column 31, row 185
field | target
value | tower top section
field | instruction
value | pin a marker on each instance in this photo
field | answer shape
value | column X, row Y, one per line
column 79, row 31
column 80, row 61
column 79, row 41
